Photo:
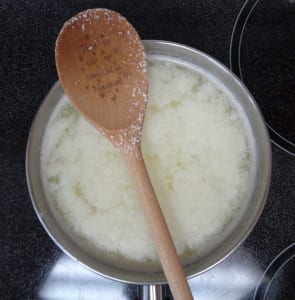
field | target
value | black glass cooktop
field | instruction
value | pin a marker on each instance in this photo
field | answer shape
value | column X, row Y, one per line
column 278, row 280
column 262, row 53
column 256, row 39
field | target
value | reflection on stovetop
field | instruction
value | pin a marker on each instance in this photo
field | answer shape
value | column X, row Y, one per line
column 234, row 278
column 68, row 280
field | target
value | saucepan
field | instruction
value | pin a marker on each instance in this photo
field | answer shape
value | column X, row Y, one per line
column 254, row 199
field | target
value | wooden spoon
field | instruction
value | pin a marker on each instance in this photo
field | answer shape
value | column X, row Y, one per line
column 101, row 64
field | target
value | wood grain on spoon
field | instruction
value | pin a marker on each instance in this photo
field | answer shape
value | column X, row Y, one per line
column 101, row 65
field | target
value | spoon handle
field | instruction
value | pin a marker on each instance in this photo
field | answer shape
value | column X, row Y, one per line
column 160, row 233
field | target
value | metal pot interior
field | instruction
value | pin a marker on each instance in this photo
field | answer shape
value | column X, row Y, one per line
column 114, row 267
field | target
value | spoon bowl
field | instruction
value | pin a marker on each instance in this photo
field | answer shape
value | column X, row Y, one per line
column 101, row 64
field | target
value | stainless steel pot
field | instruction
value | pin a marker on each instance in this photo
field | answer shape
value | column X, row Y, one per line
column 254, row 200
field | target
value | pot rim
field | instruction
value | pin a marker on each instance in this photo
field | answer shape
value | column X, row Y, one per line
column 66, row 244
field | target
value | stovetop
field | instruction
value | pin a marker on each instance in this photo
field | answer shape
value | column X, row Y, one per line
column 254, row 38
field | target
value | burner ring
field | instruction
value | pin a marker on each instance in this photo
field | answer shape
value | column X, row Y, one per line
column 235, row 65
column 268, row 280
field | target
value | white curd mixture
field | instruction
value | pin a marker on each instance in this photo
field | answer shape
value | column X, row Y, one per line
column 197, row 153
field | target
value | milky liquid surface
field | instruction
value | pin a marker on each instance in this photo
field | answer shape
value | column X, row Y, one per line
column 197, row 154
